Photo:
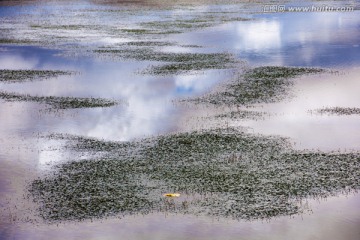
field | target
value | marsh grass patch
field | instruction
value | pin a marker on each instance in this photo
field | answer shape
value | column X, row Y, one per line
column 266, row 84
column 17, row 41
column 193, row 23
column 143, row 31
column 149, row 43
column 59, row 102
column 236, row 174
column 336, row 111
column 174, row 63
column 176, row 25
column 157, row 44
column 185, row 63
column 66, row 27
column 243, row 114
column 12, row 76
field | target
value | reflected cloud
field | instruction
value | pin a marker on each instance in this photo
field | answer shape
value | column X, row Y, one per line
column 301, row 39
column 145, row 101
column 196, row 83
column 13, row 62
column 313, row 131
column 258, row 36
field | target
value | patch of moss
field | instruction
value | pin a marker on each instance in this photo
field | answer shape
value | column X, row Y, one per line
column 59, row 102
column 7, row 75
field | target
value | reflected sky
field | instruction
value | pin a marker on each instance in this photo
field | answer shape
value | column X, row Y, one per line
column 296, row 39
column 300, row 39
column 292, row 39
column 310, row 130
column 145, row 107
column 337, row 218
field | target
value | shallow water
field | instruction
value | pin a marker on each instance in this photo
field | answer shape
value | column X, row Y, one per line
column 328, row 40
column 335, row 218
column 322, row 39
column 310, row 130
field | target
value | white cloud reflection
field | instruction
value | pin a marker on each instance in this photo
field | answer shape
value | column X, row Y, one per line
column 258, row 36
column 13, row 62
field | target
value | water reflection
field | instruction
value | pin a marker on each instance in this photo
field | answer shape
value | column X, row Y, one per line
column 294, row 39
column 337, row 218
column 258, row 36
column 312, row 131
column 145, row 101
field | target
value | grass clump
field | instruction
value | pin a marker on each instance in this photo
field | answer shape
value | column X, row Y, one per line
column 65, row 27
column 59, row 102
column 143, row 31
column 15, row 41
column 11, row 76
column 259, row 85
column 195, row 22
column 242, row 114
column 180, row 26
column 235, row 174
column 149, row 43
column 337, row 111
column 181, row 68
column 157, row 44
column 177, row 63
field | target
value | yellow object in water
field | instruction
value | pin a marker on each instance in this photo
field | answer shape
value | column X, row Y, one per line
column 172, row 195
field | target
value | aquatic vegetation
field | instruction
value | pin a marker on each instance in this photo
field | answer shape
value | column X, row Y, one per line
column 16, row 41
column 7, row 75
column 157, row 44
column 243, row 114
column 59, row 102
column 194, row 22
column 179, row 62
column 179, row 25
column 66, row 27
column 180, row 68
column 234, row 174
column 259, row 85
column 149, row 43
column 138, row 31
column 337, row 111
column 146, row 54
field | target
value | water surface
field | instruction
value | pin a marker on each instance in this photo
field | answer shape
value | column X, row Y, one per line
column 329, row 40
